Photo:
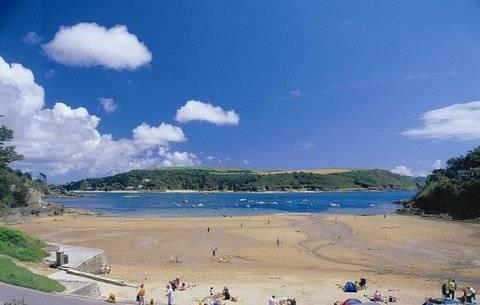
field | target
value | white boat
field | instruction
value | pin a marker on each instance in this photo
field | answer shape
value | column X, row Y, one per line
column 243, row 199
column 334, row 204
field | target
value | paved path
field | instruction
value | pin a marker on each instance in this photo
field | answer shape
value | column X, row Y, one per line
column 32, row 297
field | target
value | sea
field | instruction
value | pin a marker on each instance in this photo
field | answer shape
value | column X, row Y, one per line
column 180, row 204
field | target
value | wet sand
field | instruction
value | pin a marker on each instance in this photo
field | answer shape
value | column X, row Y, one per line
column 404, row 256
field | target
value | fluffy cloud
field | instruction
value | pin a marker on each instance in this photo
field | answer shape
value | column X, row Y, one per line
column 199, row 111
column 108, row 104
column 64, row 142
column 148, row 136
column 89, row 44
column 458, row 121
column 402, row 170
column 178, row 158
column 31, row 38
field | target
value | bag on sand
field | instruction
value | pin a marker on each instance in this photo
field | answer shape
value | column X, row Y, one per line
column 138, row 297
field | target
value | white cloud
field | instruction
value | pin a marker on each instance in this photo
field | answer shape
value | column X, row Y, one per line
column 295, row 93
column 246, row 162
column 438, row 164
column 178, row 158
column 304, row 146
column 458, row 121
column 64, row 142
column 199, row 111
column 90, row 44
column 210, row 158
column 402, row 170
column 31, row 38
column 108, row 104
column 150, row 136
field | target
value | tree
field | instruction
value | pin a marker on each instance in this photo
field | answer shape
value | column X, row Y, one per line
column 7, row 153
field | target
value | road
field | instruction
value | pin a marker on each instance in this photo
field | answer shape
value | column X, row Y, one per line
column 32, row 297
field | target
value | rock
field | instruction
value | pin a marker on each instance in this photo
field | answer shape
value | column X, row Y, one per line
column 34, row 198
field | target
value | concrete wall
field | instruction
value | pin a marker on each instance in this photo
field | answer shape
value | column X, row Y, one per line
column 93, row 265
column 89, row 290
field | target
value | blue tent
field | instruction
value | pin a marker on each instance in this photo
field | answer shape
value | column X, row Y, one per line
column 350, row 287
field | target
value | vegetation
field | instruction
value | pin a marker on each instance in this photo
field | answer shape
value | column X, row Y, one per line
column 14, row 185
column 454, row 190
column 11, row 273
column 210, row 179
column 20, row 246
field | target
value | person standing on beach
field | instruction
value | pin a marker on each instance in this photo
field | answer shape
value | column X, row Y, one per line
column 452, row 286
column 141, row 295
column 278, row 242
column 170, row 295
column 214, row 252
column 208, row 229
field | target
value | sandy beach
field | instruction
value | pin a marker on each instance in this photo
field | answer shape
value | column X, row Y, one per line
column 403, row 256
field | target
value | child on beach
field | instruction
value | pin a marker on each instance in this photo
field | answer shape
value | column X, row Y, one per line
column 170, row 296
column 141, row 295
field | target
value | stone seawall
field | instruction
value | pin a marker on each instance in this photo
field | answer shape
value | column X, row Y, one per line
column 93, row 265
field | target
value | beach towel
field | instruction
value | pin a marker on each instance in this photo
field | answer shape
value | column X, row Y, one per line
column 350, row 287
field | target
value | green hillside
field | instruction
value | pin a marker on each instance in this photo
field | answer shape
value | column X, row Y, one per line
column 214, row 179
column 454, row 190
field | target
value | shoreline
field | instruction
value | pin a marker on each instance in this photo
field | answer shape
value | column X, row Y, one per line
column 241, row 192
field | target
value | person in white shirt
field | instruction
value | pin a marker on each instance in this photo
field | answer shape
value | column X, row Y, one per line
column 272, row 301
column 170, row 296
column 469, row 294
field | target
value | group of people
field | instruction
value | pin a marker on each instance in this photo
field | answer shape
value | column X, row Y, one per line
column 449, row 288
column 217, row 298
column 142, row 292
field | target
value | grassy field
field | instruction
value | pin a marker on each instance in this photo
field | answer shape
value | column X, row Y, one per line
column 20, row 246
column 10, row 273
column 320, row 171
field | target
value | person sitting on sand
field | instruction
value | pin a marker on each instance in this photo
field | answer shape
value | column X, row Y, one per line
column 211, row 291
column 272, row 301
column 362, row 284
column 377, row 297
column 226, row 293
column 469, row 294
column 182, row 287
column 175, row 284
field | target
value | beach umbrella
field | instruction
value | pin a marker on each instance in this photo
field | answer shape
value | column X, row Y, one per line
column 351, row 302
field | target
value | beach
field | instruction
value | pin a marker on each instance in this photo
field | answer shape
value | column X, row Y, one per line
column 403, row 256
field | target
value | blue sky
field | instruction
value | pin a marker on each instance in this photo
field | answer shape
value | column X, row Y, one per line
column 314, row 84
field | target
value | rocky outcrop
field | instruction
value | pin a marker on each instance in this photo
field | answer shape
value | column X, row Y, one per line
column 34, row 198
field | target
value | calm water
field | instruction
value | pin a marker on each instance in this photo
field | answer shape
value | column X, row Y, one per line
column 207, row 204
